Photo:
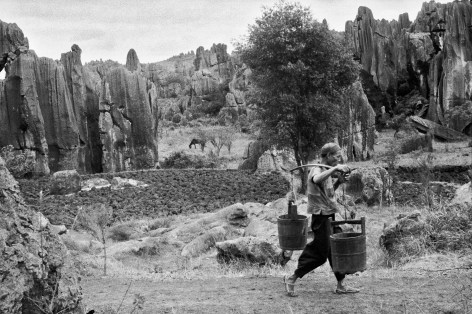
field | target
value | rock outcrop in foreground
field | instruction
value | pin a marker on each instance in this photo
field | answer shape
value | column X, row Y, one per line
column 37, row 273
column 429, row 59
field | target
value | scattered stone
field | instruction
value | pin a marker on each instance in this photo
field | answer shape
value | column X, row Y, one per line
column 58, row 229
column 463, row 195
column 118, row 183
column 65, row 182
column 95, row 183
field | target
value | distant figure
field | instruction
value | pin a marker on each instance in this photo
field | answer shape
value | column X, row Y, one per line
column 196, row 141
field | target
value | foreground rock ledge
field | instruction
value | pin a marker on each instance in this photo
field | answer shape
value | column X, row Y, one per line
column 36, row 270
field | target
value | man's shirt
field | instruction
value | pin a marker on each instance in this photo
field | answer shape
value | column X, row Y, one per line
column 321, row 196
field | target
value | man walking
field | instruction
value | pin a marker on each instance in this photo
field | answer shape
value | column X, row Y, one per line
column 322, row 205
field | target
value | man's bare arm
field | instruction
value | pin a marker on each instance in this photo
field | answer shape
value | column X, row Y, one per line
column 322, row 176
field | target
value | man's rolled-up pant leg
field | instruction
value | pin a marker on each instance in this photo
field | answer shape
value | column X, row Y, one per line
column 316, row 252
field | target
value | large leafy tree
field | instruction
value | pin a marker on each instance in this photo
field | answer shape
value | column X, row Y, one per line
column 300, row 69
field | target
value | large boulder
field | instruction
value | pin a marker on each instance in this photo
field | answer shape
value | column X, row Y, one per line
column 259, row 242
column 65, row 182
column 205, row 241
column 401, row 238
column 371, row 185
column 37, row 272
column 254, row 151
column 249, row 249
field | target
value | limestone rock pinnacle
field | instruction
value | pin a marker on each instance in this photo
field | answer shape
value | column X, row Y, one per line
column 132, row 61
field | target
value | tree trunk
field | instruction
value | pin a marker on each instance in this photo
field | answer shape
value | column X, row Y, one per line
column 104, row 253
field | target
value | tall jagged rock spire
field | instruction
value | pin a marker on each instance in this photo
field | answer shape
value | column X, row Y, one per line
column 132, row 61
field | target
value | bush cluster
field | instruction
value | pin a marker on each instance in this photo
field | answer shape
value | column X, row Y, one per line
column 181, row 160
column 416, row 142
column 19, row 163
column 449, row 228
column 445, row 228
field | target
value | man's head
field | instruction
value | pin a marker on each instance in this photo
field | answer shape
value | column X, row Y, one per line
column 331, row 154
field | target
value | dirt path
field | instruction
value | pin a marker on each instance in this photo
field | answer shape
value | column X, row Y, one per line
column 382, row 292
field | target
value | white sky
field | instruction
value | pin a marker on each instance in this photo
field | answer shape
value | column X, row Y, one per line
column 159, row 29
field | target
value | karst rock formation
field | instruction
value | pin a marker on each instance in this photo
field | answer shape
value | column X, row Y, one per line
column 104, row 116
column 197, row 79
column 37, row 271
column 75, row 117
column 357, row 135
column 429, row 59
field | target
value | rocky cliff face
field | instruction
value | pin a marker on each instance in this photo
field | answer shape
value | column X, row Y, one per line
column 22, row 122
column 12, row 43
column 431, row 56
column 358, row 133
column 60, row 123
column 128, row 124
column 37, row 272
column 52, row 109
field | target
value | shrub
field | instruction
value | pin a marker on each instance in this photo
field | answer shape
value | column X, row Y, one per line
column 18, row 163
column 244, row 123
column 122, row 231
column 160, row 223
column 96, row 218
column 391, row 156
column 425, row 167
column 445, row 228
column 220, row 137
column 177, row 118
column 184, row 121
column 180, row 160
column 450, row 228
column 169, row 114
column 415, row 142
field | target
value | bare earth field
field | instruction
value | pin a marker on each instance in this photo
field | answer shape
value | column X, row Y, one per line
column 435, row 283
column 383, row 291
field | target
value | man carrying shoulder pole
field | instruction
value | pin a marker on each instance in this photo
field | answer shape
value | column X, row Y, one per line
column 322, row 206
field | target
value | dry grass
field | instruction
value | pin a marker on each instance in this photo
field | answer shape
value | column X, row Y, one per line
column 173, row 266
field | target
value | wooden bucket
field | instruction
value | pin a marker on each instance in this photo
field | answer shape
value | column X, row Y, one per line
column 348, row 249
column 292, row 229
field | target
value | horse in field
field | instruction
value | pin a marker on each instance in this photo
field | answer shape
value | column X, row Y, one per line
column 196, row 141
